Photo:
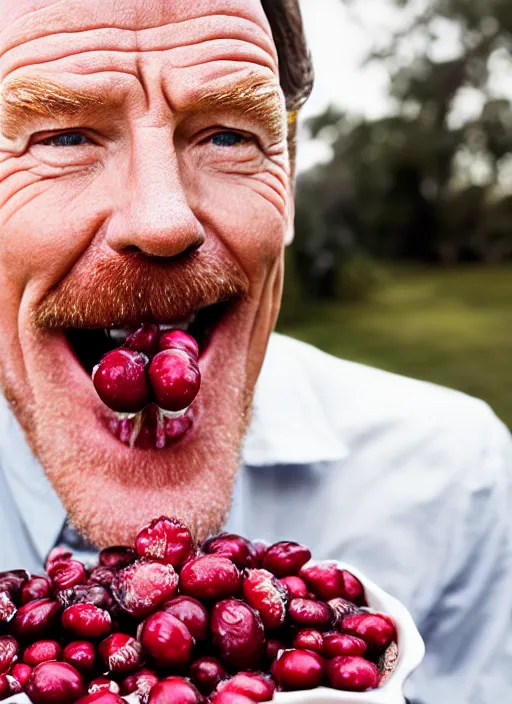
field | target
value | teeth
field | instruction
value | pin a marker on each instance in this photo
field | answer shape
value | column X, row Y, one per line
column 119, row 335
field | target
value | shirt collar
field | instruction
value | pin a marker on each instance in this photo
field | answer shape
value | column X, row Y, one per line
column 289, row 426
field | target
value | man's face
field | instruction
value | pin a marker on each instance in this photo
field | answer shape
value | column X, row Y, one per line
column 143, row 175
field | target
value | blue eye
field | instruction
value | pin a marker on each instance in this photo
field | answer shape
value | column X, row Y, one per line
column 71, row 139
column 227, row 139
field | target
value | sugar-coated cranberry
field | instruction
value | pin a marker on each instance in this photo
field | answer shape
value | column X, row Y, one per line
column 120, row 652
column 35, row 588
column 21, row 672
column 190, row 612
column 103, row 684
column 144, row 339
column 342, row 644
column 342, row 608
column 352, row 674
column 174, row 690
column 210, row 577
column 325, row 580
column 9, row 653
column 308, row 613
column 142, row 587
column 267, row 595
column 120, row 380
column 237, row 634
column 175, row 379
column 103, row 696
column 34, row 619
column 297, row 588
column 354, row 590
column 140, row 683
column 286, row 558
column 178, row 340
column 117, row 557
column 166, row 540
column 298, row 669
column 7, row 607
column 54, row 683
column 309, row 639
column 86, row 621
column 232, row 546
column 167, row 640
column 376, row 630
column 206, row 673
column 81, row 654
column 42, row 651
column 254, row 685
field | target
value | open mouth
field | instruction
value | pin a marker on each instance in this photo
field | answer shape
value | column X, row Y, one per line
column 89, row 345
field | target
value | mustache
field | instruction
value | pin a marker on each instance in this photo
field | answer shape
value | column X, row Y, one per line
column 122, row 291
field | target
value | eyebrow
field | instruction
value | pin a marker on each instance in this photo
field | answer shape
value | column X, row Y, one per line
column 26, row 99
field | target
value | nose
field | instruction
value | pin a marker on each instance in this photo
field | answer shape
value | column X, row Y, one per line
column 154, row 216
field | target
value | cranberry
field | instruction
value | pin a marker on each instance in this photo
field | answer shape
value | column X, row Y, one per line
column 167, row 640
column 342, row 608
column 190, row 612
column 35, row 588
column 174, row 690
column 67, row 574
column 256, row 686
column 144, row 339
column 8, row 653
column 142, row 587
column 103, row 684
column 54, row 683
column 166, row 540
column 7, row 607
column 286, row 558
column 267, row 595
column 352, row 674
column 21, row 672
column 12, row 581
column 376, row 630
column 309, row 639
column 237, row 634
column 140, row 683
column 342, row 644
column 324, row 580
column 102, row 576
column 86, row 621
column 210, row 577
column 42, row 651
column 101, row 697
column 121, row 653
column 178, row 340
column 34, row 619
column 258, row 550
column 57, row 555
column 120, row 380
column 117, row 557
column 223, row 697
column 296, row 586
column 234, row 547
column 175, row 379
column 85, row 594
column 272, row 649
column 298, row 669
column 354, row 590
column 81, row 654
column 311, row 614
column 206, row 673
column 5, row 689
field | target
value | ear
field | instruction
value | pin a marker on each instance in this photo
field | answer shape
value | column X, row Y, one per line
column 290, row 221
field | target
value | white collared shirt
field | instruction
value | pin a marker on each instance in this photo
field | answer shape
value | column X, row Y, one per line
column 408, row 481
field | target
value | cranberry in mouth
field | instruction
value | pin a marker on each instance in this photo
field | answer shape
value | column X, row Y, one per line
column 148, row 375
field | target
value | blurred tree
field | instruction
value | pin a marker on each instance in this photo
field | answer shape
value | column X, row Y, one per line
column 420, row 183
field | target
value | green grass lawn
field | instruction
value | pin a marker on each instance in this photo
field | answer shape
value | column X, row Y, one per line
column 452, row 327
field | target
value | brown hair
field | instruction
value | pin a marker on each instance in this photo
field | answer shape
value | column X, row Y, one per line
column 295, row 66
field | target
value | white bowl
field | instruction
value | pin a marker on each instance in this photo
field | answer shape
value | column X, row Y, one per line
column 411, row 652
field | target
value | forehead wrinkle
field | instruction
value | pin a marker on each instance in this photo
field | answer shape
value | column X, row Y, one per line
column 25, row 99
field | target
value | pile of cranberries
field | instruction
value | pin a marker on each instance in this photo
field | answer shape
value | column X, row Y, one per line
column 168, row 622
column 150, row 367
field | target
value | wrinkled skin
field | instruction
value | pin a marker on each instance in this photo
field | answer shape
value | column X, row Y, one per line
column 142, row 176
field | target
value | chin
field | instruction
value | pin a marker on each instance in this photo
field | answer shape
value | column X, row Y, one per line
column 111, row 488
